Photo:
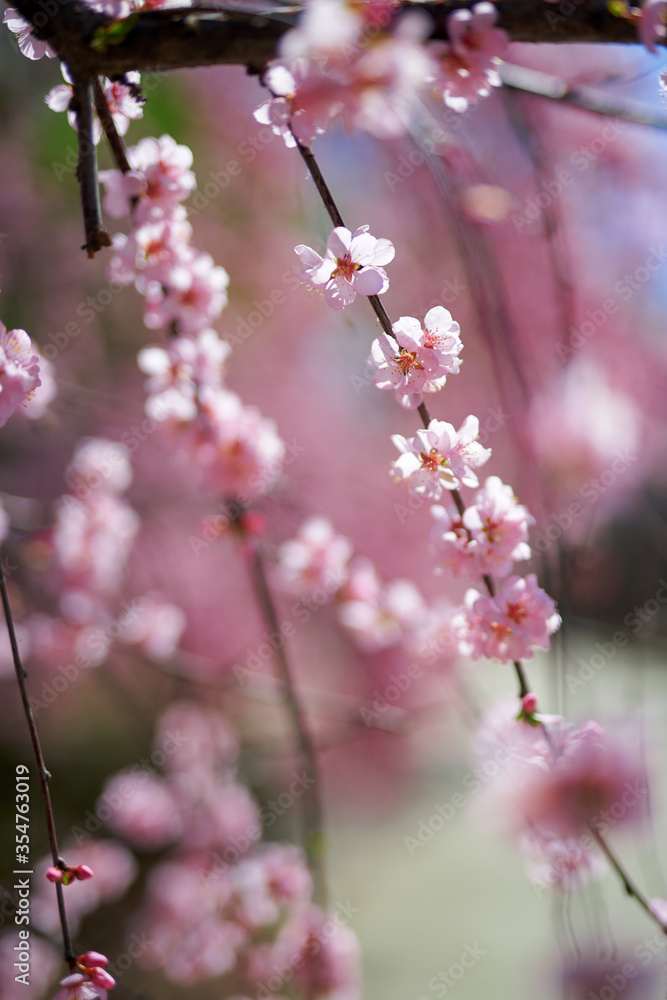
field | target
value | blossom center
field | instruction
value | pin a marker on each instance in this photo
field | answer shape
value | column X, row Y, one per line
column 405, row 361
column 432, row 461
column 517, row 612
column 346, row 267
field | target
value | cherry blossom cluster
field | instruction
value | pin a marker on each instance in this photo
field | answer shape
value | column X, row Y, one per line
column 236, row 449
column 417, row 359
column 375, row 614
column 88, row 549
column 559, row 786
column 91, row 982
column 361, row 63
column 222, row 901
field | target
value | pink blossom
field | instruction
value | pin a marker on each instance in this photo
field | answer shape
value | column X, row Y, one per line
column 122, row 105
column 467, row 63
column 165, row 167
column 416, row 361
column 386, row 618
column 651, row 26
column 194, row 297
column 99, row 464
column 190, row 930
column 440, row 458
column 491, row 534
column 317, row 558
column 144, row 811
column 267, row 881
column 301, row 103
column 326, row 965
column 31, row 46
column 562, row 864
column 152, row 251
column 205, row 737
column 178, row 373
column 79, row 987
column 36, row 404
column 349, row 266
column 122, row 190
column 156, row 626
column 508, row 626
column 378, row 91
column 498, row 524
column 590, row 781
column 19, row 371
column 326, row 31
column 452, row 542
column 92, row 541
column 434, row 638
column 240, row 451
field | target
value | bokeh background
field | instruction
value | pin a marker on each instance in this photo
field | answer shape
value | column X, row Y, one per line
column 560, row 294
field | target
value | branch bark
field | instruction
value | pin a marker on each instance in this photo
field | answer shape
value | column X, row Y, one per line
column 173, row 39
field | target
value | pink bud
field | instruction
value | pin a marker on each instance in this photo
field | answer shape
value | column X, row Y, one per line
column 54, row 875
column 102, row 979
column 92, row 958
column 82, row 872
column 529, row 703
column 253, row 523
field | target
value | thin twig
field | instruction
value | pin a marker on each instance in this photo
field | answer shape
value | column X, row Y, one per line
column 86, row 171
column 111, row 132
column 312, row 803
column 44, row 775
column 628, row 884
column 554, row 88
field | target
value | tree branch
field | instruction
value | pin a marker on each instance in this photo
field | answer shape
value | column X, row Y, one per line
column 171, row 39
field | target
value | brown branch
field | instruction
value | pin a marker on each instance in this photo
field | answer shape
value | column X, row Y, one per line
column 109, row 126
column 44, row 775
column 86, row 170
column 172, row 39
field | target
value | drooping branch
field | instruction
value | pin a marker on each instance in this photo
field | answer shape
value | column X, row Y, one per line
column 199, row 36
column 86, row 171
